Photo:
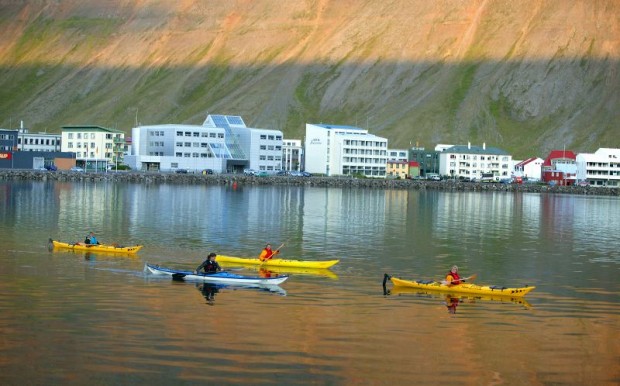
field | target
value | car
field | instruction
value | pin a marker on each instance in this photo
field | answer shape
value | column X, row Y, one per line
column 207, row 171
column 76, row 169
column 583, row 183
column 305, row 174
column 250, row 172
column 181, row 171
column 51, row 167
column 282, row 173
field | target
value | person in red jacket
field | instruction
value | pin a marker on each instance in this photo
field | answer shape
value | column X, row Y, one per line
column 453, row 278
column 268, row 253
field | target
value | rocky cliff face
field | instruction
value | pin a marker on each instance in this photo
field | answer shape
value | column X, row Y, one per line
column 525, row 76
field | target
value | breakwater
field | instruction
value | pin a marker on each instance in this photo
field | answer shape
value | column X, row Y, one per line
column 340, row 182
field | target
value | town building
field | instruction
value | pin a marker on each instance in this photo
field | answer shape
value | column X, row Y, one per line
column 335, row 150
column 223, row 143
column 601, row 168
column 397, row 169
column 95, row 147
column 559, row 168
column 397, row 155
column 292, row 155
column 529, row 168
column 474, row 162
column 35, row 157
column 27, row 141
column 427, row 161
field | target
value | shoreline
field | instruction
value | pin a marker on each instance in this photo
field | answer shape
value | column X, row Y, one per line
column 335, row 182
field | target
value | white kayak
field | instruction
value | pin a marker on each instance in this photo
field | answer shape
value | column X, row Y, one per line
column 218, row 277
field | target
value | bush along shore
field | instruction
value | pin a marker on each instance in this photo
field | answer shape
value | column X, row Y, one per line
column 336, row 182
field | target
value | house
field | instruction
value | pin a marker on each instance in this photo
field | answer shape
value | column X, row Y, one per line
column 95, row 146
column 344, row 150
column 529, row 168
column 559, row 168
column 474, row 162
column 602, row 168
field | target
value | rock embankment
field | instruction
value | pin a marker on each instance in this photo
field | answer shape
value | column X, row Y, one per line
column 340, row 182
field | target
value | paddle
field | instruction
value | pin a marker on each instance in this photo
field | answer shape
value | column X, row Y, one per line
column 472, row 277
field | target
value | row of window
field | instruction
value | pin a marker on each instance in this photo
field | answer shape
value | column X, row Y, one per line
column 266, row 147
column 271, row 137
column 35, row 141
column 270, row 158
column 91, row 136
column 360, row 143
column 194, row 134
column 362, row 160
column 482, row 157
column 85, row 145
column 365, row 152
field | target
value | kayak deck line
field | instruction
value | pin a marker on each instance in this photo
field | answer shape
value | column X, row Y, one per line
column 217, row 277
column 321, row 264
column 112, row 248
column 466, row 288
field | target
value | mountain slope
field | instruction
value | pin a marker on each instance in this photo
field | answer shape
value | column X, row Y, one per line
column 525, row 76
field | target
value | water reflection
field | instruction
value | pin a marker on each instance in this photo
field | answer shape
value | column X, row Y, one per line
column 209, row 290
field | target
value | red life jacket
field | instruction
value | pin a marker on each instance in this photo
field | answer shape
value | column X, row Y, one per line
column 456, row 279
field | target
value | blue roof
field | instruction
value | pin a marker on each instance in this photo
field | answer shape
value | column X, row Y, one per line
column 325, row 126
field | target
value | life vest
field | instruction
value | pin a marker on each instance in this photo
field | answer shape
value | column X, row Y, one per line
column 211, row 266
column 267, row 254
column 456, row 279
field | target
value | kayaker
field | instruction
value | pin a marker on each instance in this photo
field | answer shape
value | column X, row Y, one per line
column 91, row 239
column 268, row 253
column 209, row 265
column 453, row 278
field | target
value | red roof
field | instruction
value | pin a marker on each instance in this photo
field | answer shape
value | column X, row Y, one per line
column 527, row 161
column 559, row 154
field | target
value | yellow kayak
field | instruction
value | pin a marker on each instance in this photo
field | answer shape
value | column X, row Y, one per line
column 277, row 262
column 465, row 288
column 325, row 272
column 110, row 248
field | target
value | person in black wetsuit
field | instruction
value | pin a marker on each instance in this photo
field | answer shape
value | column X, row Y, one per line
column 209, row 265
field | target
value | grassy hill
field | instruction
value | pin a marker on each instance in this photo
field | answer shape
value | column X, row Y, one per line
column 525, row 76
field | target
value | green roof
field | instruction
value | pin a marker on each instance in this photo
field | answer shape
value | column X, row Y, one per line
column 90, row 128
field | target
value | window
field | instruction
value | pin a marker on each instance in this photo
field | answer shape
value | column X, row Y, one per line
column 92, row 136
column 263, row 136
column 70, row 135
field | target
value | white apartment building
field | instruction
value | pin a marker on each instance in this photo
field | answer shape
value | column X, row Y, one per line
column 601, row 168
column 292, row 155
column 398, row 155
column 474, row 161
column 93, row 145
column 222, row 143
column 344, row 150
column 171, row 147
column 261, row 148
column 27, row 141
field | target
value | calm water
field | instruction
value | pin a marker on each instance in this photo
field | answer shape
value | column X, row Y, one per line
column 74, row 318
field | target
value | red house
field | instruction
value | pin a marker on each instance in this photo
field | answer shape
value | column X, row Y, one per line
column 559, row 168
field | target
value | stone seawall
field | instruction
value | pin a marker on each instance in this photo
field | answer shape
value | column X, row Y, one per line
column 341, row 182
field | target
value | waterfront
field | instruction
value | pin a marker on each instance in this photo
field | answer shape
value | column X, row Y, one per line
column 72, row 318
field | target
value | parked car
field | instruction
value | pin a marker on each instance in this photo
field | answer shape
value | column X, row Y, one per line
column 76, row 169
column 305, row 174
column 181, row 171
column 250, row 172
column 51, row 168
column 583, row 183
column 282, row 173
column 207, row 171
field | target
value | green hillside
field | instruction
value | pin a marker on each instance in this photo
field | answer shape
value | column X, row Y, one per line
column 524, row 76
